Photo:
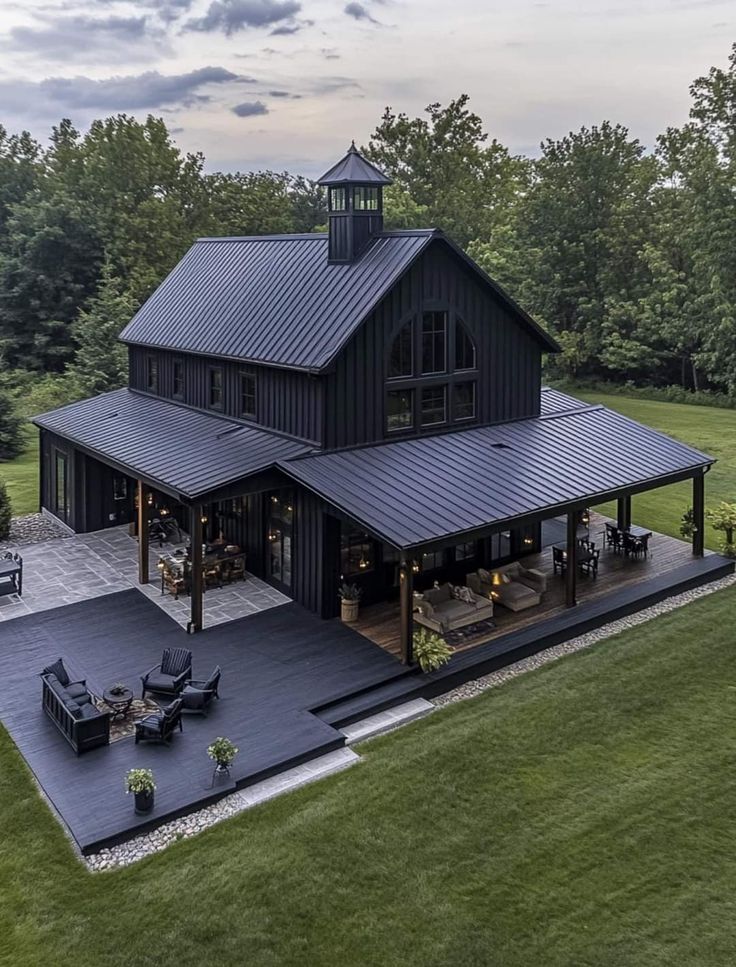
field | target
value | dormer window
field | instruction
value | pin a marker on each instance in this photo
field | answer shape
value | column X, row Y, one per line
column 152, row 374
column 215, row 388
column 338, row 200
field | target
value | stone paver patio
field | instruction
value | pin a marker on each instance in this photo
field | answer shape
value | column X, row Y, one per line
column 66, row 570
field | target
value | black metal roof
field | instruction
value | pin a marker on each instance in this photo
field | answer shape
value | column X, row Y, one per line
column 179, row 449
column 278, row 300
column 354, row 168
column 554, row 401
column 426, row 490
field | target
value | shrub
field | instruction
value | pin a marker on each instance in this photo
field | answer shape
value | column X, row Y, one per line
column 723, row 518
column 6, row 512
column 349, row 592
column 430, row 650
column 665, row 394
column 687, row 524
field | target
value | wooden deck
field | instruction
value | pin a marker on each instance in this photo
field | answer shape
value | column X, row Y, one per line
column 380, row 622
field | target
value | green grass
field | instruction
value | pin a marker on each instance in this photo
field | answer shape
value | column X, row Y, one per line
column 705, row 428
column 21, row 477
column 580, row 815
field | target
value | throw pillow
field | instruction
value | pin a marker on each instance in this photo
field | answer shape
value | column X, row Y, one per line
column 58, row 669
column 466, row 595
column 484, row 575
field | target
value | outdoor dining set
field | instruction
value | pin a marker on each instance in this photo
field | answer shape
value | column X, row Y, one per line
column 631, row 542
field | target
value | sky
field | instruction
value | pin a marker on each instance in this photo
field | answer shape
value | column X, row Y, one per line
column 287, row 84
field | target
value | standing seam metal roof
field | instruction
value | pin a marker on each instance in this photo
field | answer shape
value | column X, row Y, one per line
column 183, row 450
column 428, row 489
column 277, row 300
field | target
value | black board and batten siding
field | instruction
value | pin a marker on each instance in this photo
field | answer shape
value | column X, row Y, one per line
column 508, row 354
column 287, row 401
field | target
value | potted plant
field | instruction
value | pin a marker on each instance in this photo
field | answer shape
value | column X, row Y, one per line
column 431, row 651
column 118, row 689
column 222, row 752
column 349, row 602
column 140, row 783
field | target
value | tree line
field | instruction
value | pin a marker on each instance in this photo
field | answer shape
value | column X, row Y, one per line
column 627, row 256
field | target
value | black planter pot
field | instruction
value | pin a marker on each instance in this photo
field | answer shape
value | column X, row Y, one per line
column 143, row 802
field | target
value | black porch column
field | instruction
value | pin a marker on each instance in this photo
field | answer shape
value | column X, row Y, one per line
column 142, row 533
column 196, row 590
column 571, row 568
column 406, row 596
column 699, row 515
column 623, row 513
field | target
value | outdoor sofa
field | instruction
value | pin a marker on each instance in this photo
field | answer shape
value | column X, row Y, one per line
column 441, row 609
column 514, row 586
column 70, row 706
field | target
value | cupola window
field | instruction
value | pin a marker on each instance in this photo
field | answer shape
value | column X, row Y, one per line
column 365, row 199
column 338, row 200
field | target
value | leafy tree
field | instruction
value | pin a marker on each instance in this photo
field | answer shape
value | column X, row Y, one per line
column 446, row 165
column 101, row 362
column 308, row 204
column 11, row 428
column 249, row 204
column 21, row 170
column 49, row 263
column 6, row 512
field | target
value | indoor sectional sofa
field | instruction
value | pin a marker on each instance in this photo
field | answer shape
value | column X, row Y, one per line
column 70, row 706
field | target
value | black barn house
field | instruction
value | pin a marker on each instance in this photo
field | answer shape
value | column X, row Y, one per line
column 361, row 404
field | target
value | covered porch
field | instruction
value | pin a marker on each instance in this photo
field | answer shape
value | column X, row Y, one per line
column 616, row 572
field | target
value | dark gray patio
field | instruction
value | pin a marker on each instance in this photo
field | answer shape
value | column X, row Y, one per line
column 276, row 666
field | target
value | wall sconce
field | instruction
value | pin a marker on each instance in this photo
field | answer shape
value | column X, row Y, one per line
column 272, row 537
column 585, row 517
column 164, row 511
column 363, row 564
column 289, row 508
column 528, row 540
column 415, row 567
column 150, row 498
column 204, row 519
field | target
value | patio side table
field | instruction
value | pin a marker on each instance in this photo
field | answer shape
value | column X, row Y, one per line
column 118, row 703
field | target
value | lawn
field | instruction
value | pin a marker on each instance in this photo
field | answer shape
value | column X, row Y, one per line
column 582, row 814
column 706, row 428
column 21, row 477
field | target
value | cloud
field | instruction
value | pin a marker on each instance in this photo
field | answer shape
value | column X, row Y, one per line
column 330, row 53
column 93, row 38
column 284, row 94
column 358, row 12
column 147, row 91
column 249, row 109
column 230, row 16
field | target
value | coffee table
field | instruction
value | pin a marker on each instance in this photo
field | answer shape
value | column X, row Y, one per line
column 119, row 704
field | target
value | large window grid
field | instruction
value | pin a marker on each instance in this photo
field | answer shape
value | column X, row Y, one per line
column 431, row 366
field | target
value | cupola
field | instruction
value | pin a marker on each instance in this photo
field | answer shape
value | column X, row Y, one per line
column 355, row 202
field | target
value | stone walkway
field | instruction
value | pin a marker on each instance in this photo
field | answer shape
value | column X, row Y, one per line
column 65, row 570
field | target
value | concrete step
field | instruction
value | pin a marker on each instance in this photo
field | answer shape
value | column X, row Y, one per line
column 387, row 720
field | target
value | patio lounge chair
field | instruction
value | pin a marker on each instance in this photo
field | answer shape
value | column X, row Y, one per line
column 197, row 695
column 169, row 676
column 160, row 726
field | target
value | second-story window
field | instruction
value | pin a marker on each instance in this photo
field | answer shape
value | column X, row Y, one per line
column 152, row 374
column 178, row 379
column 248, row 394
column 215, row 395
column 464, row 347
column 434, row 342
column 400, row 409
column 401, row 360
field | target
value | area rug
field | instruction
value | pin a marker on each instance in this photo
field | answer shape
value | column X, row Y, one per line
column 123, row 728
column 461, row 636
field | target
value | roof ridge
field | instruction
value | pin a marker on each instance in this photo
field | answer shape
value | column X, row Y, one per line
column 317, row 236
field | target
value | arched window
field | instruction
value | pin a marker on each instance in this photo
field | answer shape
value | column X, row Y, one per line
column 401, row 360
column 464, row 347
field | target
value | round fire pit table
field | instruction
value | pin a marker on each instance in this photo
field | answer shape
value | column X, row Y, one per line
column 119, row 703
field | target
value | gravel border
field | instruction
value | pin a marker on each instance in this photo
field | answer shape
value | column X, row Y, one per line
column 471, row 689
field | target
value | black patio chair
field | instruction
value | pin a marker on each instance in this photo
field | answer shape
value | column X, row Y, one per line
column 614, row 538
column 160, row 726
column 197, row 695
column 590, row 564
column 637, row 546
column 559, row 560
column 169, row 676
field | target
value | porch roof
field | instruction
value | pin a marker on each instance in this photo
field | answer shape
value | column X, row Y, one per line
column 428, row 490
column 172, row 447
